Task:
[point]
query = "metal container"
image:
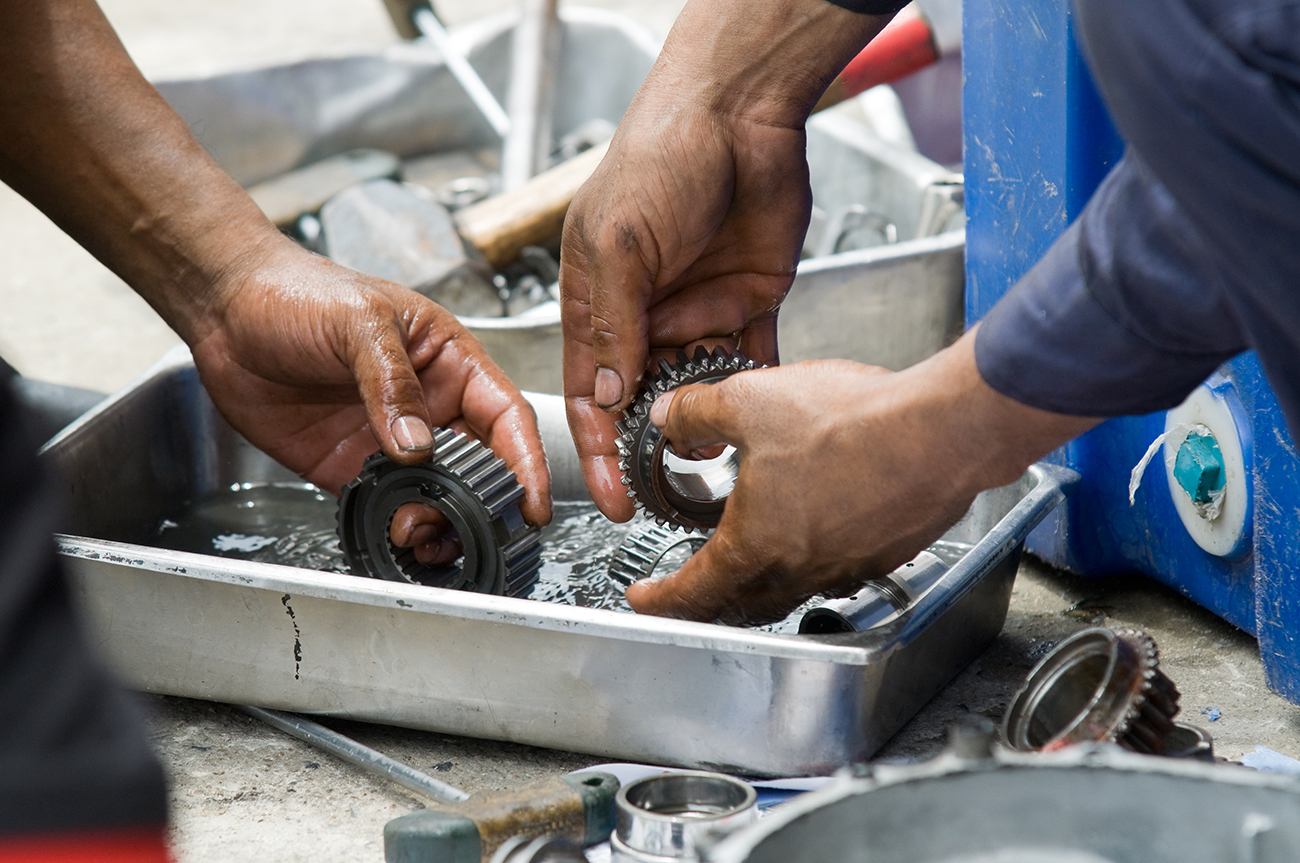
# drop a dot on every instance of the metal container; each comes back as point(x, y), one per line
point(893, 304)
point(602, 682)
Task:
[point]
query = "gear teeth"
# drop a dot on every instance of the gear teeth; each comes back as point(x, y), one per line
point(511, 565)
point(634, 428)
point(639, 554)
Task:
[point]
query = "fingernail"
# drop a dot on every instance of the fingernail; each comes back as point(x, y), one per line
point(412, 434)
point(659, 410)
point(609, 387)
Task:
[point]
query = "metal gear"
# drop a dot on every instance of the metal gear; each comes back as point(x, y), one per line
point(639, 554)
point(1095, 686)
point(476, 492)
point(674, 497)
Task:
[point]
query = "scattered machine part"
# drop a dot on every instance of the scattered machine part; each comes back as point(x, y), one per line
point(674, 816)
point(980, 803)
point(498, 826)
point(544, 849)
point(676, 497)
point(639, 554)
point(391, 230)
point(589, 134)
point(1095, 686)
point(304, 190)
point(462, 191)
point(476, 492)
point(876, 601)
point(1189, 741)
point(356, 754)
point(855, 226)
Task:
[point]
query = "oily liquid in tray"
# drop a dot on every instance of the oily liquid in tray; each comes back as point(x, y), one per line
point(294, 524)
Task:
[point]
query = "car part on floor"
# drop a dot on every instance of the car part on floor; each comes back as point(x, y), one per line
point(1095, 686)
point(673, 816)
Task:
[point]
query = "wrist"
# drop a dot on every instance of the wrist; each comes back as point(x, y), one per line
point(982, 438)
point(776, 71)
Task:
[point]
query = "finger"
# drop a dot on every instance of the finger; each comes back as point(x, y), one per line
point(416, 524)
point(388, 385)
point(700, 416)
point(594, 436)
point(758, 341)
point(719, 307)
point(717, 585)
point(619, 281)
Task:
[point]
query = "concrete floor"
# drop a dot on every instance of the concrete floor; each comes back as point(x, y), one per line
point(242, 791)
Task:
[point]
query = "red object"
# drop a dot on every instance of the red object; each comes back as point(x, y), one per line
point(144, 845)
point(904, 47)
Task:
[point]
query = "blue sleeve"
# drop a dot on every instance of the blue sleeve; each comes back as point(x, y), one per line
point(1190, 251)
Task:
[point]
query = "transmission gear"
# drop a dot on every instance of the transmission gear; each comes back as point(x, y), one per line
point(675, 494)
point(476, 492)
point(639, 554)
point(1096, 686)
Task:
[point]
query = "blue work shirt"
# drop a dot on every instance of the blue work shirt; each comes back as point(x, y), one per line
point(1189, 252)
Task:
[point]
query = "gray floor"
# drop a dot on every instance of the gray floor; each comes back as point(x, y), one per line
point(242, 791)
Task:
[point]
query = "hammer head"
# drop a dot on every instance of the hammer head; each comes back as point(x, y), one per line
point(386, 229)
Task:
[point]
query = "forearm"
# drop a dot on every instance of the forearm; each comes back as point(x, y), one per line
point(92, 144)
point(764, 62)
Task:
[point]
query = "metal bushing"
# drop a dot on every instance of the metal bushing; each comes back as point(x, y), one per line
point(1095, 686)
point(677, 497)
point(674, 816)
point(546, 849)
point(876, 601)
point(639, 554)
point(476, 492)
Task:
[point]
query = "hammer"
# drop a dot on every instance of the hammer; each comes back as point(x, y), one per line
point(467, 828)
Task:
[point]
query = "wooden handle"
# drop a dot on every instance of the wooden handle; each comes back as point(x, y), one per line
point(530, 215)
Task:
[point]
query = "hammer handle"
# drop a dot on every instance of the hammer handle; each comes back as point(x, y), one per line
point(529, 215)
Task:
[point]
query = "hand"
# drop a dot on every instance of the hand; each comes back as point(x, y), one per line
point(846, 472)
point(319, 366)
point(690, 230)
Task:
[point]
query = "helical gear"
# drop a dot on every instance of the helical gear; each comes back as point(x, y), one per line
point(1096, 686)
point(688, 501)
point(639, 554)
point(476, 492)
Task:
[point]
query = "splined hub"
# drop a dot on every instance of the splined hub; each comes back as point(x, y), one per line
point(1096, 686)
point(674, 491)
point(476, 492)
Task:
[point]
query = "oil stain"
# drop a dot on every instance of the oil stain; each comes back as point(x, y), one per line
point(297, 637)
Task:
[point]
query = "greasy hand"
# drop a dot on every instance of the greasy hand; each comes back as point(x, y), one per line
point(689, 231)
point(319, 366)
point(846, 472)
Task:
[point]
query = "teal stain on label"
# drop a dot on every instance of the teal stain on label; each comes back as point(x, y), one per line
point(1199, 467)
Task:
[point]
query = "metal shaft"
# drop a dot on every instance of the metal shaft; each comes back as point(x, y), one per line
point(351, 751)
point(534, 63)
point(478, 92)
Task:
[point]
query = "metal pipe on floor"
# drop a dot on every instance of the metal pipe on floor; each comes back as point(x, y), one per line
point(534, 68)
point(341, 746)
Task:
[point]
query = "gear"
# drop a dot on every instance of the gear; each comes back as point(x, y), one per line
point(1096, 686)
point(476, 492)
point(676, 498)
point(639, 554)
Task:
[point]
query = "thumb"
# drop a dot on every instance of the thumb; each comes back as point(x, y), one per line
point(392, 395)
point(619, 286)
point(699, 415)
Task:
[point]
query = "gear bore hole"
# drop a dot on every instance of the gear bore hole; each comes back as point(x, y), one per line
point(702, 480)
point(439, 542)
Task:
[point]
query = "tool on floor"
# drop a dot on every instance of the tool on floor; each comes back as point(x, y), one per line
point(358, 755)
point(1098, 685)
point(578, 808)
point(475, 492)
point(677, 492)
point(534, 67)
point(467, 828)
point(544, 849)
point(676, 816)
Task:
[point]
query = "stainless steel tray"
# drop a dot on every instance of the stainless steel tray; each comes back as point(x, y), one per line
point(604, 682)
